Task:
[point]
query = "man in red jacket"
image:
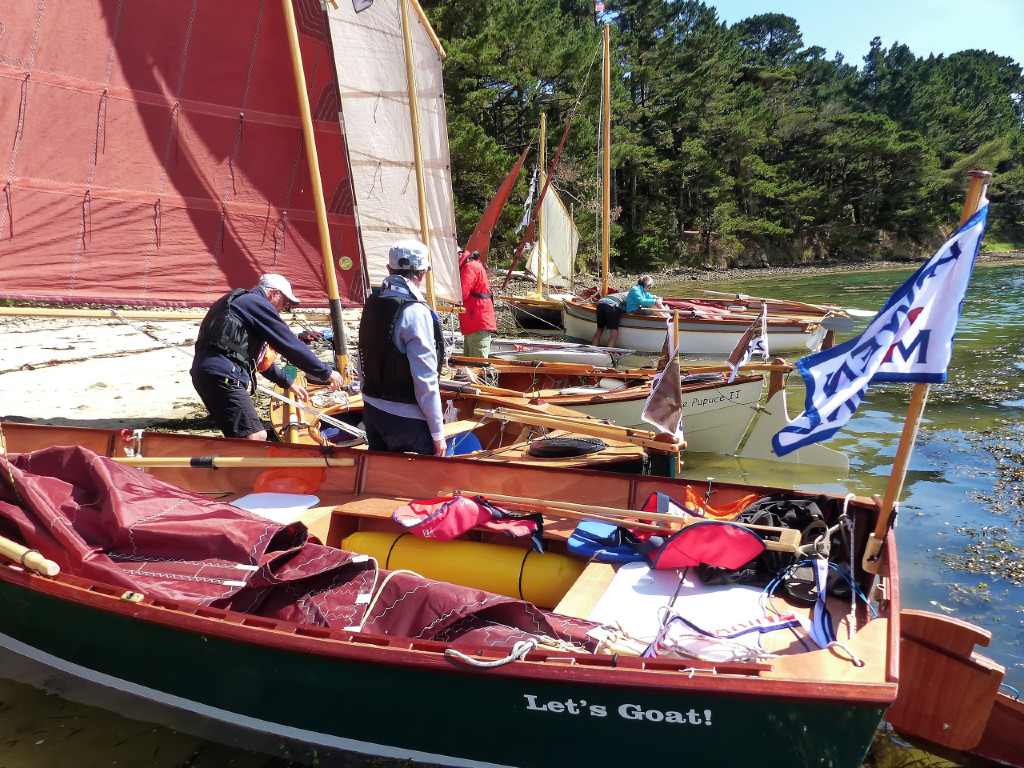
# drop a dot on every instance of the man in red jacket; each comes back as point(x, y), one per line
point(477, 322)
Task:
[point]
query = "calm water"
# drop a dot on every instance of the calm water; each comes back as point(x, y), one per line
point(960, 524)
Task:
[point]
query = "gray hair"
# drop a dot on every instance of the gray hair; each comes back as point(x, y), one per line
point(646, 281)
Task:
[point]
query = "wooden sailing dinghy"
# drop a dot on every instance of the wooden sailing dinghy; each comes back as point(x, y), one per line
point(716, 413)
point(279, 640)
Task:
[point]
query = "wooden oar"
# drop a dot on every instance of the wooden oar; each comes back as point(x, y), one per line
point(29, 558)
point(788, 541)
point(223, 462)
point(645, 439)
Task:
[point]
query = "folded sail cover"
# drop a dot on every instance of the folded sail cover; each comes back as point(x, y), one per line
point(143, 534)
point(153, 153)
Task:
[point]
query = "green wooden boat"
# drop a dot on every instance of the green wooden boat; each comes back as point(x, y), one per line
point(300, 679)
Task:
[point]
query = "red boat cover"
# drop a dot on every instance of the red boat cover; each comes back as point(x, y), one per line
point(153, 152)
point(103, 521)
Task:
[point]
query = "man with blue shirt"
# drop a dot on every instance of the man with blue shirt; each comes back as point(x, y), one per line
point(233, 338)
point(401, 351)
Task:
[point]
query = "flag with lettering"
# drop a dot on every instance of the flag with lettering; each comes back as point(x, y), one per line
point(909, 340)
point(664, 406)
point(754, 341)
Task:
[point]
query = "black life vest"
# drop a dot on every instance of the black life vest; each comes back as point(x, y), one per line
point(386, 371)
point(224, 332)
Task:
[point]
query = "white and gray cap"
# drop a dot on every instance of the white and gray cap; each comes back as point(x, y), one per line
point(409, 254)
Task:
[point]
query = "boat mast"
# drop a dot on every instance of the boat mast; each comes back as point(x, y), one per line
point(340, 342)
point(539, 239)
point(606, 201)
point(414, 115)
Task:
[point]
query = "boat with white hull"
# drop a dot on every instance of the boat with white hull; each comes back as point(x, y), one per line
point(698, 336)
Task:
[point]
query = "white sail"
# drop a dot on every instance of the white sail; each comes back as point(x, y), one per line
point(370, 61)
point(559, 242)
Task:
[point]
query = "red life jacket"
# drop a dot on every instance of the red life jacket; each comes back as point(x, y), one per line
point(447, 517)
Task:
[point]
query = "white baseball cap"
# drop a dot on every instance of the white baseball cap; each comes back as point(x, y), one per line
point(409, 254)
point(273, 282)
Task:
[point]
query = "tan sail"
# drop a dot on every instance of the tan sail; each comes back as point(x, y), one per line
point(370, 59)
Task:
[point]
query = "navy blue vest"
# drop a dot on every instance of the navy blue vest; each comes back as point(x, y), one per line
point(386, 371)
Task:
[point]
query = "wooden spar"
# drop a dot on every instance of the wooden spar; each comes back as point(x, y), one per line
point(223, 462)
point(606, 129)
point(663, 443)
point(675, 355)
point(539, 237)
point(583, 369)
point(789, 538)
point(138, 314)
point(28, 558)
point(918, 400)
point(414, 117)
point(330, 278)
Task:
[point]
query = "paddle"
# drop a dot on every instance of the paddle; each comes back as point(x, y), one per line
point(788, 541)
point(28, 558)
point(223, 462)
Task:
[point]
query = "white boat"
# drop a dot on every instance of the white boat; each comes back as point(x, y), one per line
point(714, 335)
point(716, 415)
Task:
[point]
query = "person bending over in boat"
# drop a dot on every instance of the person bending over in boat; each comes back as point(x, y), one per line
point(233, 336)
point(640, 299)
point(609, 310)
point(478, 322)
point(401, 351)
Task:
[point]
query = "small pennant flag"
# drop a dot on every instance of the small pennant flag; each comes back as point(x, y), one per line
point(361, 5)
point(754, 341)
point(910, 340)
point(599, 7)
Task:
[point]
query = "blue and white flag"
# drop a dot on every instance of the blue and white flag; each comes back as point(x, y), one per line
point(910, 339)
point(528, 205)
point(754, 341)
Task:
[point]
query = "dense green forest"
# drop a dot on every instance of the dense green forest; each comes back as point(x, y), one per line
point(727, 141)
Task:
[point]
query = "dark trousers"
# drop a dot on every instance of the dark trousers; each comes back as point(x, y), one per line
point(398, 434)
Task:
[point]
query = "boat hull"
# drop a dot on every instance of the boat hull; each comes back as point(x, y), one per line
point(376, 700)
point(697, 337)
point(715, 418)
point(338, 689)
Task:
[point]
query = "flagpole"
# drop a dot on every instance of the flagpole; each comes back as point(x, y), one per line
point(918, 400)
point(675, 347)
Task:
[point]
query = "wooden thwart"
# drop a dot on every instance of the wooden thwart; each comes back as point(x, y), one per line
point(788, 538)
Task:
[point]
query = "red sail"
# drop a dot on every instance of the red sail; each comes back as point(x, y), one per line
point(480, 240)
point(153, 152)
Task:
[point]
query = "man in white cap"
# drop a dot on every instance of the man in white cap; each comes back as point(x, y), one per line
point(401, 351)
point(233, 337)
